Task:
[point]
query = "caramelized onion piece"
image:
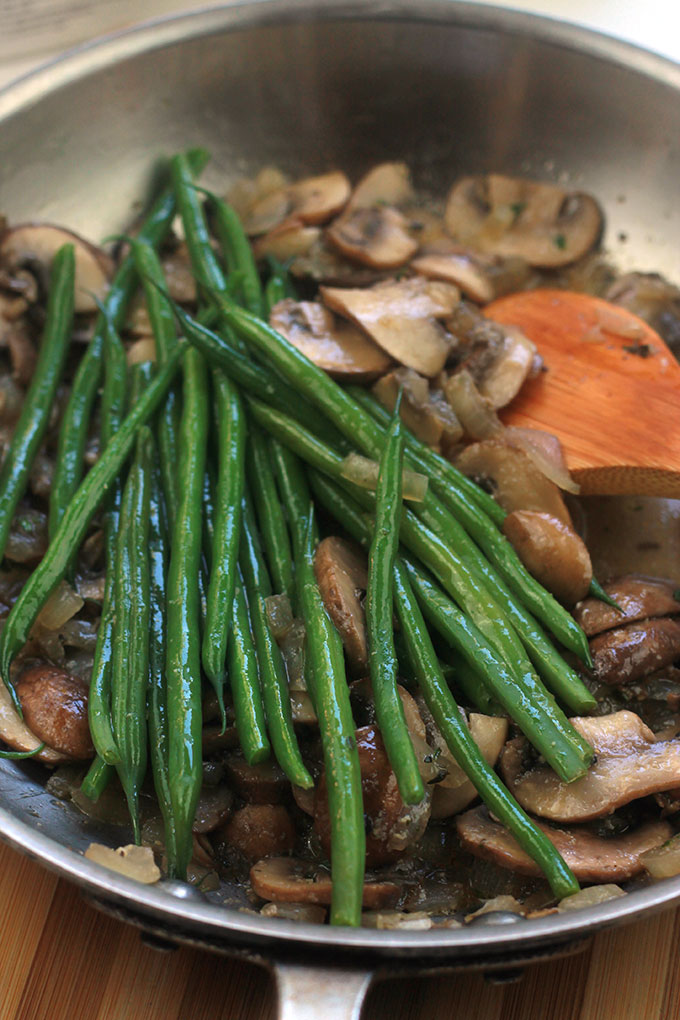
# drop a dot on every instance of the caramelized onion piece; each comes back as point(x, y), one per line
point(489, 734)
point(639, 598)
point(426, 413)
point(629, 764)
point(591, 858)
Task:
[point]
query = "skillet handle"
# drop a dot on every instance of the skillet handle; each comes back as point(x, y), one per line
point(309, 993)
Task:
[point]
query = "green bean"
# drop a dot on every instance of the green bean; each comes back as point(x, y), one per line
point(330, 695)
point(231, 432)
point(96, 779)
point(273, 527)
point(245, 682)
point(183, 669)
point(30, 428)
point(238, 253)
point(382, 659)
point(468, 681)
point(596, 591)
point(130, 666)
point(279, 285)
point(78, 411)
point(157, 699)
point(206, 268)
point(162, 319)
point(91, 492)
point(273, 678)
point(446, 714)
point(112, 413)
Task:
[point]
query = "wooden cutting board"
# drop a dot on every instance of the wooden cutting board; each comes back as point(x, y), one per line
point(62, 960)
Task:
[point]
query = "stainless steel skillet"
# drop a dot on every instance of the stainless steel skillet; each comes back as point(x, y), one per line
point(447, 87)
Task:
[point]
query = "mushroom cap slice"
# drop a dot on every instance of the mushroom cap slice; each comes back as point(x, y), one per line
point(290, 880)
point(551, 551)
point(630, 653)
point(539, 222)
point(591, 858)
point(459, 267)
point(427, 414)
point(384, 184)
point(39, 242)
point(377, 236)
point(316, 199)
point(288, 240)
point(54, 704)
point(639, 598)
point(335, 345)
point(401, 317)
point(341, 573)
point(16, 734)
point(489, 734)
point(629, 764)
point(504, 377)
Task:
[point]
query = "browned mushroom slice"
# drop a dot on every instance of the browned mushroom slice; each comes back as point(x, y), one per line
point(288, 880)
point(213, 808)
point(391, 826)
point(629, 764)
point(539, 222)
point(333, 344)
point(264, 783)
point(489, 734)
point(401, 317)
point(629, 653)
point(459, 266)
point(309, 201)
point(16, 734)
point(54, 704)
point(375, 237)
point(511, 476)
point(506, 374)
point(475, 413)
point(552, 552)
point(340, 571)
point(321, 264)
point(639, 598)
point(591, 858)
point(259, 830)
point(288, 240)
point(426, 413)
point(30, 243)
point(385, 184)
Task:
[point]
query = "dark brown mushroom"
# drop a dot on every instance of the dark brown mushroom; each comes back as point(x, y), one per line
point(16, 734)
point(259, 830)
point(335, 345)
point(590, 857)
point(288, 880)
point(54, 704)
point(28, 244)
point(264, 783)
point(480, 276)
point(551, 551)
point(630, 653)
point(425, 412)
point(341, 574)
point(392, 826)
point(541, 223)
point(639, 598)
point(213, 808)
point(629, 763)
point(401, 317)
point(511, 476)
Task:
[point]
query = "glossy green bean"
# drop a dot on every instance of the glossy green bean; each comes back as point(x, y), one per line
point(272, 524)
point(273, 677)
point(130, 665)
point(244, 678)
point(90, 494)
point(96, 779)
point(446, 714)
point(382, 658)
point(231, 444)
point(237, 252)
point(330, 695)
point(35, 412)
point(183, 660)
point(112, 412)
point(206, 268)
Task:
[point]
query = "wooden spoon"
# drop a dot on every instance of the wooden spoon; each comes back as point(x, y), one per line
point(612, 399)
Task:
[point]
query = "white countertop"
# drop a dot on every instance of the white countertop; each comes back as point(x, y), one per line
point(653, 24)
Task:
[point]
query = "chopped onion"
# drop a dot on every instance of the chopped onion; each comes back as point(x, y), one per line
point(132, 861)
point(590, 897)
point(547, 454)
point(474, 411)
point(387, 920)
point(79, 634)
point(364, 472)
point(62, 604)
point(312, 913)
point(663, 861)
point(502, 902)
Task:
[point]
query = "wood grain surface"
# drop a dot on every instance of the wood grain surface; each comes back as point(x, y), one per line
point(62, 960)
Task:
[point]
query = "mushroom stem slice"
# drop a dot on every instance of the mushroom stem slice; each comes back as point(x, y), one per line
point(629, 764)
point(591, 858)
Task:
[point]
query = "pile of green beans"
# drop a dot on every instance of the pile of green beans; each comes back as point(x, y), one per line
point(205, 484)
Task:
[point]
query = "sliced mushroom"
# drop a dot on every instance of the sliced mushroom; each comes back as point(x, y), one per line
point(591, 858)
point(259, 830)
point(392, 826)
point(213, 808)
point(401, 317)
point(480, 276)
point(288, 240)
point(310, 201)
point(475, 413)
point(508, 371)
point(37, 243)
point(512, 478)
point(629, 764)
point(335, 345)
point(639, 598)
point(384, 184)
point(372, 230)
point(425, 412)
point(489, 734)
point(551, 551)
point(22, 351)
point(629, 653)
point(288, 880)
point(341, 574)
point(16, 734)
point(54, 704)
point(321, 264)
point(539, 222)
point(264, 783)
